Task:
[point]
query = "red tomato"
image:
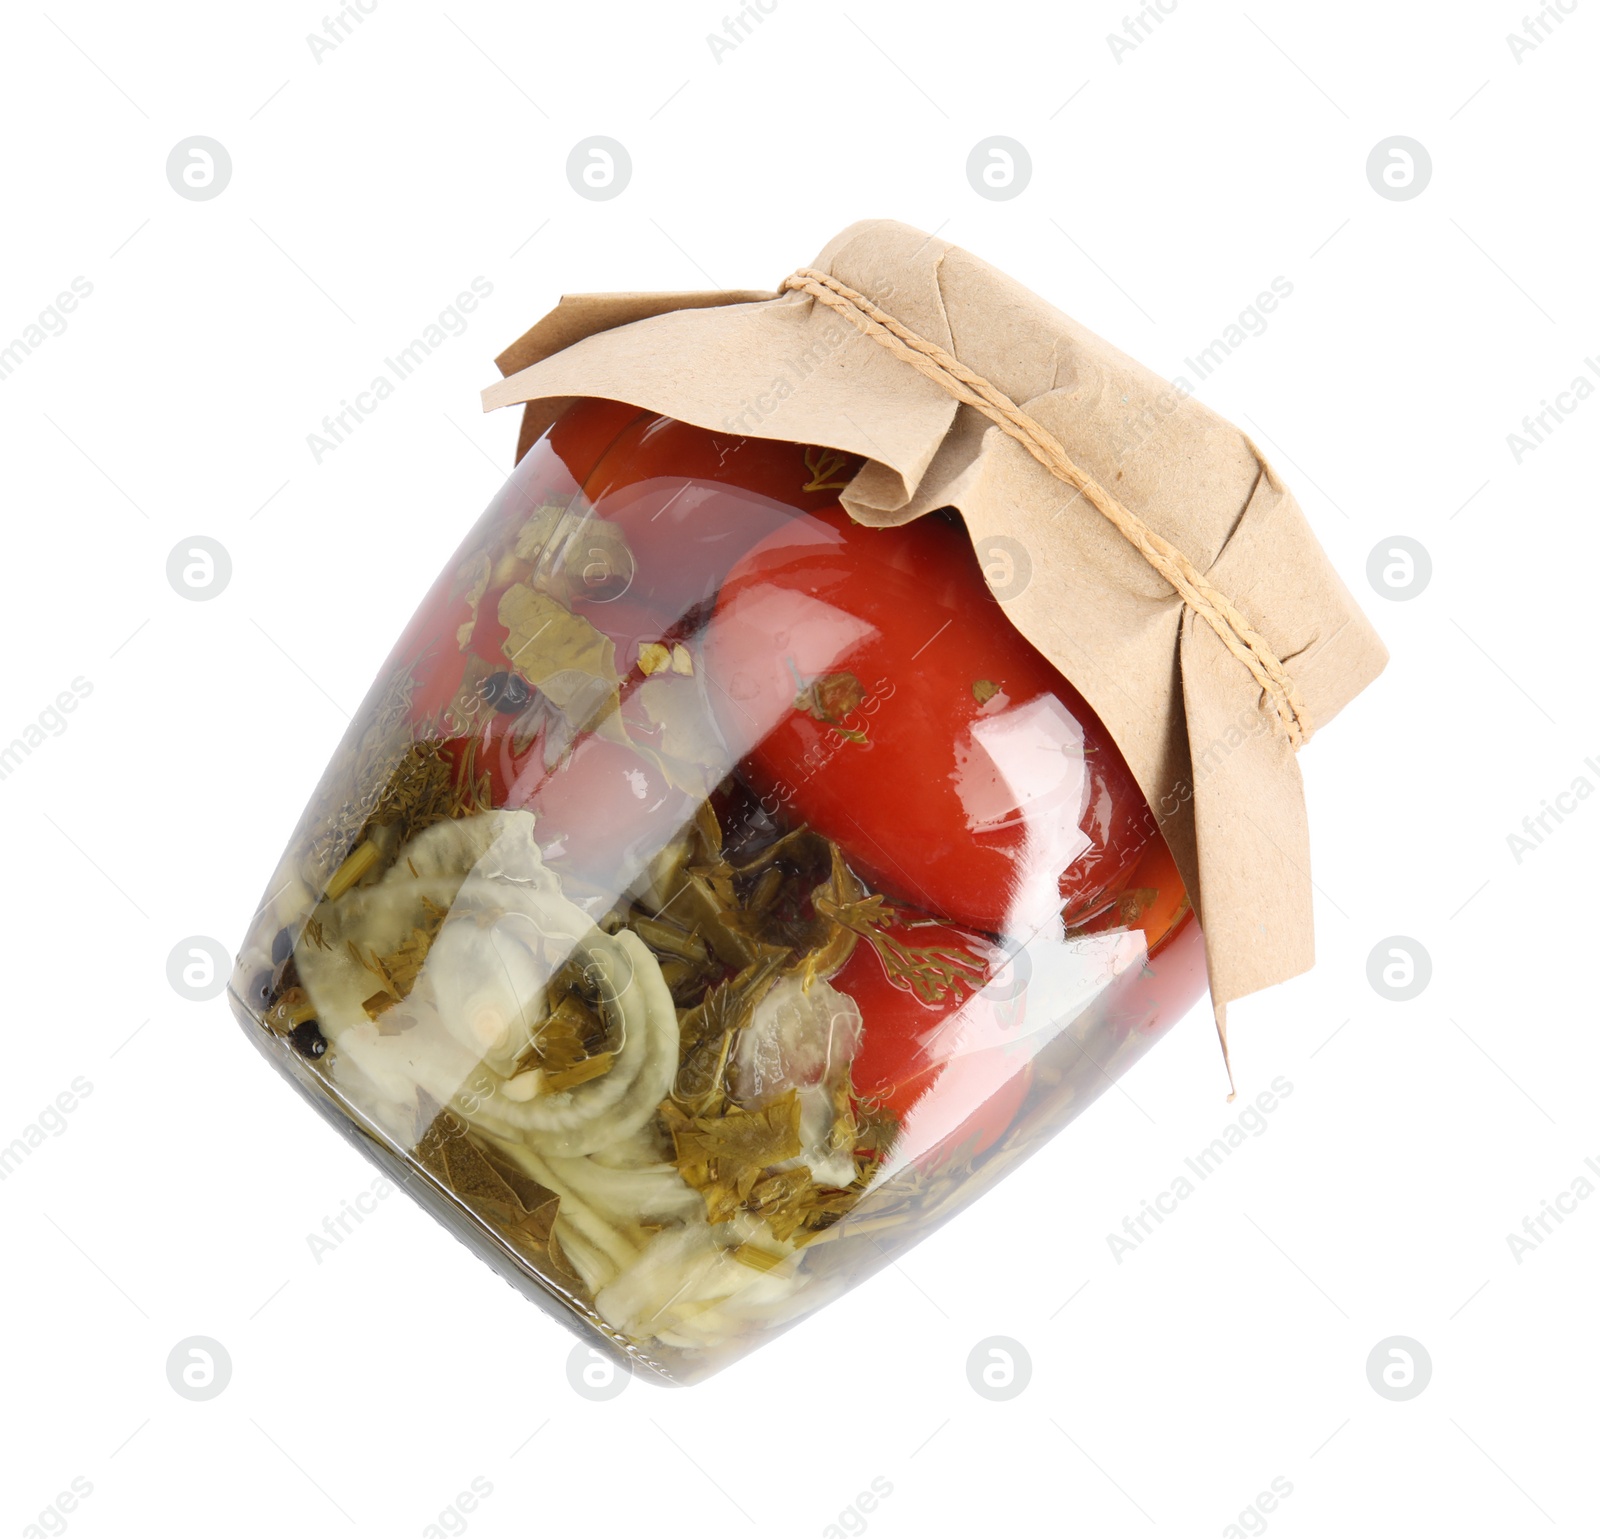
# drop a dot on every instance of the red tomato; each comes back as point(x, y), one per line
point(690, 503)
point(485, 750)
point(1152, 899)
point(1156, 996)
point(948, 1072)
point(580, 436)
point(882, 696)
point(602, 813)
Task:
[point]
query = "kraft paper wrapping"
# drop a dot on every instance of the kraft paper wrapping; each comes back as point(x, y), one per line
point(1189, 718)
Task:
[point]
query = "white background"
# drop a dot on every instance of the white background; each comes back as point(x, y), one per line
point(1170, 185)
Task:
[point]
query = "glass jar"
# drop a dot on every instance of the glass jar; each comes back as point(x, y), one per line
point(712, 895)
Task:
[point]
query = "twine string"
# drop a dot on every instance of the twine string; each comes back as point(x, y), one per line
point(972, 389)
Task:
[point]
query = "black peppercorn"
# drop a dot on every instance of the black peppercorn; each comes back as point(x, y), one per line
point(282, 945)
point(260, 991)
point(308, 1040)
point(508, 693)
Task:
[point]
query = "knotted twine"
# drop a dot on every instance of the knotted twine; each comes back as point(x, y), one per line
point(950, 374)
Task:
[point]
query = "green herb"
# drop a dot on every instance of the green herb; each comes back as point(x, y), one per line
point(830, 698)
point(824, 465)
point(706, 1032)
point(398, 970)
point(723, 1157)
point(573, 664)
point(522, 1210)
point(932, 973)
